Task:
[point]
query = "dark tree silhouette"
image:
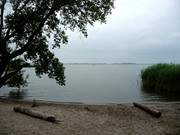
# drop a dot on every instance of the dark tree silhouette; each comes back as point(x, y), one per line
point(26, 26)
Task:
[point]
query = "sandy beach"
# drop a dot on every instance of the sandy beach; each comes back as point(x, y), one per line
point(82, 119)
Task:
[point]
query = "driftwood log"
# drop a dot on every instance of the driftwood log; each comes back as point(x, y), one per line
point(36, 114)
point(151, 111)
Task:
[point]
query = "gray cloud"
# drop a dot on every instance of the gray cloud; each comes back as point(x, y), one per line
point(142, 31)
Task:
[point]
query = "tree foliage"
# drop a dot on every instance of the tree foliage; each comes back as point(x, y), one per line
point(26, 26)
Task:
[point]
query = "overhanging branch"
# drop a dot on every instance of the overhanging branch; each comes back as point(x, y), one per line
point(16, 10)
point(7, 76)
point(28, 44)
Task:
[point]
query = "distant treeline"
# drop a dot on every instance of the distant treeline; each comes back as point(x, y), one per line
point(31, 65)
point(161, 78)
point(100, 63)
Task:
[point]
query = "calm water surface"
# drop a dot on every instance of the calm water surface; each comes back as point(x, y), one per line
point(90, 84)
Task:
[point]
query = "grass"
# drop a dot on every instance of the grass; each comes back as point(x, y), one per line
point(161, 78)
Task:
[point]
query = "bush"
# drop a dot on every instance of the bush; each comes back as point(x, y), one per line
point(161, 77)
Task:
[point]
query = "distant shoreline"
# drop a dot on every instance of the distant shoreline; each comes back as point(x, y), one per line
point(107, 63)
point(102, 64)
point(123, 63)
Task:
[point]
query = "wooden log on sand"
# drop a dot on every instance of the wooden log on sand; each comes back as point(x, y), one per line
point(151, 111)
point(35, 114)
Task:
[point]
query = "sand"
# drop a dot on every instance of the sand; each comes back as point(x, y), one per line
point(81, 119)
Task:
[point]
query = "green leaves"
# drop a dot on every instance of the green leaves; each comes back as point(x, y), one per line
point(18, 80)
point(32, 23)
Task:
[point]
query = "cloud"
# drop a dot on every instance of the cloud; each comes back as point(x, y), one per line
point(174, 35)
point(137, 31)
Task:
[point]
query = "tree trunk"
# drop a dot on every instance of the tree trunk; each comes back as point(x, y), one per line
point(4, 58)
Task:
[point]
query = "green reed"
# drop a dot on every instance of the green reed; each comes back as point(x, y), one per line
point(161, 77)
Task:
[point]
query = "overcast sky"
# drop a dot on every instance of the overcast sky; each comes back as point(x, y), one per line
point(140, 31)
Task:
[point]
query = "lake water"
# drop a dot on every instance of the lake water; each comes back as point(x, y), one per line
point(90, 84)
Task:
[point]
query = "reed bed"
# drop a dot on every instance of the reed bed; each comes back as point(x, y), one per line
point(161, 78)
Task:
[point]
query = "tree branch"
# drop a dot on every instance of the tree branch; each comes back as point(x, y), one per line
point(9, 75)
point(55, 4)
point(28, 44)
point(16, 10)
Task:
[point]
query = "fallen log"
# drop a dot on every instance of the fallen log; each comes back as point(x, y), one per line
point(151, 111)
point(36, 114)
